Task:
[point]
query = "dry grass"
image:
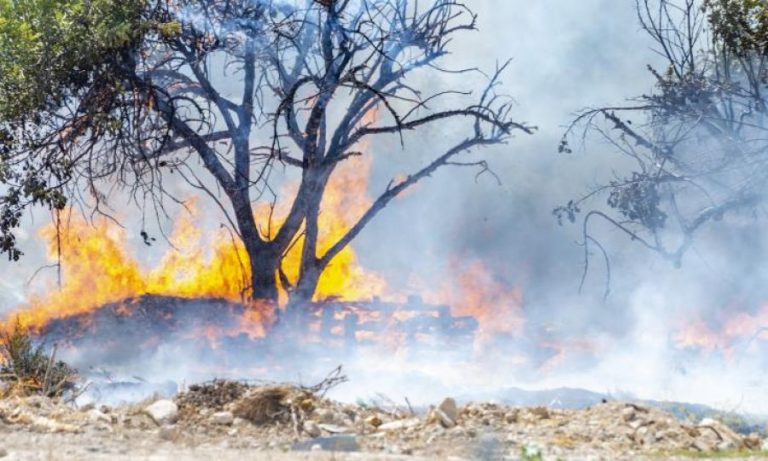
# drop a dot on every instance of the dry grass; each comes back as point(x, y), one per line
point(267, 404)
point(29, 369)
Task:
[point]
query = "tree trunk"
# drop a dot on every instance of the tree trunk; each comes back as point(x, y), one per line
point(307, 284)
point(262, 257)
point(310, 270)
point(263, 277)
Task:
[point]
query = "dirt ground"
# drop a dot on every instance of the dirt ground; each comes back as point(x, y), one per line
point(225, 421)
point(25, 446)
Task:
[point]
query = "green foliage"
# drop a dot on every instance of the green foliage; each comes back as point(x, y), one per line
point(741, 26)
point(531, 453)
point(47, 47)
point(30, 369)
point(52, 53)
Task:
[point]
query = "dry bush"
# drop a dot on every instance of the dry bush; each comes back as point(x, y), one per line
point(29, 369)
point(284, 402)
point(265, 404)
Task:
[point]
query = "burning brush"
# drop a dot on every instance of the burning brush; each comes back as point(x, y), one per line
point(28, 369)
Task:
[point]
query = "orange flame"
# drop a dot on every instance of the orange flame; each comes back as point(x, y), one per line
point(740, 327)
point(344, 202)
point(97, 268)
point(477, 293)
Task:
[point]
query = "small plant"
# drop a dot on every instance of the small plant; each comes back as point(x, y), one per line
point(30, 369)
point(531, 453)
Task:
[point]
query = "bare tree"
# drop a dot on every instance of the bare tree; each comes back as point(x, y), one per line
point(241, 86)
point(694, 150)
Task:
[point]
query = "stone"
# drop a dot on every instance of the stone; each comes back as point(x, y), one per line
point(322, 415)
point(400, 424)
point(722, 432)
point(341, 443)
point(637, 424)
point(88, 407)
point(96, 416)
point(312, 429)
point(442, 418)
point(334, 428)
point(163, 412)
point(703, 445)
point(168, 432)
point(448, 408)
point(222, 418)
point(628, 414)
point(3, 452)
point(752, 441)
point(726, 445)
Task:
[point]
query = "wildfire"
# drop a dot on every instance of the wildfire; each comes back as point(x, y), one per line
point(739, 329)
point(97, 268)
point(476, 292)
point(344, 202)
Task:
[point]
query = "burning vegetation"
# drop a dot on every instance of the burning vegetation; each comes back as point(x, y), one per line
point(262, 137)
point(28, 369)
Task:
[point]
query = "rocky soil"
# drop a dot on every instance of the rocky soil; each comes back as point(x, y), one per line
point(226, 420)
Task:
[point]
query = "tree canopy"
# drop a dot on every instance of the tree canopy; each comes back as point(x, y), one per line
point(219, 93)
point(49, 49)
point(695, 148)
point(53, 53)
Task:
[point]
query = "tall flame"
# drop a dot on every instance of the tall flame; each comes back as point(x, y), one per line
point(97, 268)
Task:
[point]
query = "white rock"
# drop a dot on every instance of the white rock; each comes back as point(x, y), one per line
point(223, 418)
point(96, 416)
point(723, 433)
point(400, 424)
point(333, 428)
point(444, 419)
point(163, 412)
